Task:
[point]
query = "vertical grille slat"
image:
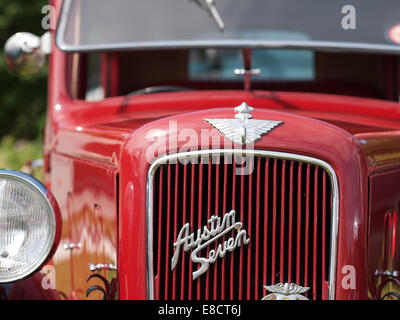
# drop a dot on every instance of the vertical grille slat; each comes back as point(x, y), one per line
point(307, 228)
point(217, 192)
point(299, 206)
point(208, 217)
point(257, 244)
point(315, 230)
point(265, 217)
point(324, 262)
point(233, 208)
point(158, 255)
point(290, 260)
point(250, 272)
point(176, 192)
point(284, 205)
point(274, 239)
point(190, 284)
point(282, 231)
point(185, 185)
point(199, 216)
point(224, 210)
point(242, 206)
point(167, 257)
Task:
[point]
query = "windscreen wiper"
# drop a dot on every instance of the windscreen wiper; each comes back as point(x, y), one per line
point(209, 6)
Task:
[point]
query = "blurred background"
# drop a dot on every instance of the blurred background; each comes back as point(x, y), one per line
point(22, 101)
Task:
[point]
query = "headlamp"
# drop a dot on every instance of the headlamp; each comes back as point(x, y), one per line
point(30, 225)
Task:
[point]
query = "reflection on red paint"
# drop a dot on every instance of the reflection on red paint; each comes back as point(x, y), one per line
point(394, 34)
point(389, 240)
point(394, 235)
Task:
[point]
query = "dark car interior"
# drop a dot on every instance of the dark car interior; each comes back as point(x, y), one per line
point(96, 76)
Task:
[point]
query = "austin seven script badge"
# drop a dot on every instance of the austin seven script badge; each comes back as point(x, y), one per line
point(285, 291)
point(205, 238)
point(243, 130)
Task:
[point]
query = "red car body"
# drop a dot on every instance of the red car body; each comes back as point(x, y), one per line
point(96, 167)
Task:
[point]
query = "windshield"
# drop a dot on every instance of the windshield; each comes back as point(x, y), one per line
point(365, 25)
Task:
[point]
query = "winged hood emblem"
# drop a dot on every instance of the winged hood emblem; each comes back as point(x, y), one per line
point(285, 291)
point(243, 129)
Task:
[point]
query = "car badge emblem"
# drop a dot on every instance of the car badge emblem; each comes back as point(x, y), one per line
point(205, 238)
point(243, 130)
point(285, 291)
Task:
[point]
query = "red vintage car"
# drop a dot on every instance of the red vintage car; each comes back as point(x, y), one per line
point(211, 149)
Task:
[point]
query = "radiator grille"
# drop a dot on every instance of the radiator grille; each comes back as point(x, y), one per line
point(285, 207)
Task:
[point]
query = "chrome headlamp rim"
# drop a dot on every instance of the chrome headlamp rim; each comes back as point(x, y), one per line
point(52, 211)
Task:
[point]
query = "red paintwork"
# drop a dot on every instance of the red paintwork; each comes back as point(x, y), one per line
point(59, 226)
point(385, 205)
point(301, 135)
point(31, 289)
point(87, 145)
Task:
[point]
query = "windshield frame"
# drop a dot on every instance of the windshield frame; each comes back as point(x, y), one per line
point(328, 46)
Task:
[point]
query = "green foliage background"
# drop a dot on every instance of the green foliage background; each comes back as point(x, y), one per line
point(22, 101)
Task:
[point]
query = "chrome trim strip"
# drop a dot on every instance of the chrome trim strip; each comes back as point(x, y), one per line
point(254, 153)
point(325, 46)
point(62, 21)
point(26, 179)
point(330, 46)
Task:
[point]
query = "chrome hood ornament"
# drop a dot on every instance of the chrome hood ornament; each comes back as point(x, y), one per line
point(243, 130)
point(285, 291)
